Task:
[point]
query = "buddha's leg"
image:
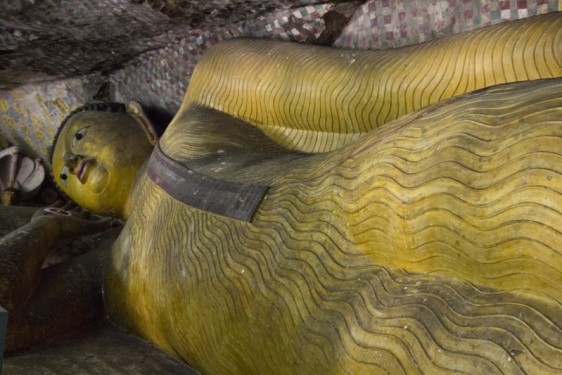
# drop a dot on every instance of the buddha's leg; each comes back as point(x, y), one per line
point(317, 99)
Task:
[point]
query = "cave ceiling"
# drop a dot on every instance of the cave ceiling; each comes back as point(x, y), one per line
point(50, 39)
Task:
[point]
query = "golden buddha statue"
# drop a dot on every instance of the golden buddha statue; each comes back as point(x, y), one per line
point(430, 244)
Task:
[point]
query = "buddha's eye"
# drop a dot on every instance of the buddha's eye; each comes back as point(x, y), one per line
point(78, 136)
point(64, 175)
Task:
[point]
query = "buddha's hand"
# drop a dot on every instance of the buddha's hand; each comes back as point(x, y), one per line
point(72, 222)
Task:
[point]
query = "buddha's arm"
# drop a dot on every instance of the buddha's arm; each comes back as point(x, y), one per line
point(23, 252)
point(316, 99)
point(43, 302)
point(67, 296)
point(13, 217)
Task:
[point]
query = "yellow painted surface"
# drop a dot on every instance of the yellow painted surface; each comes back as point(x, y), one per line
point(317, 99)
point(431, 245)
point(96, 160)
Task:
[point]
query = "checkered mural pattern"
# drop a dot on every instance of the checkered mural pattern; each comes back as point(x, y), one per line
point(395, 23)
point(31, 114)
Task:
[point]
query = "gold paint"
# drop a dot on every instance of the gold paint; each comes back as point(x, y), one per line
point(61, 105)
point(317, 99)
point(98, 169)
point(421, 246)
point(3, 104)
point(37, 131)
point(37, 123)
point(9, 121)
point(20, 109)
point(429, 245)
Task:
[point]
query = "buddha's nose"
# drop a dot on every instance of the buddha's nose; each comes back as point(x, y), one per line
point(72, 161)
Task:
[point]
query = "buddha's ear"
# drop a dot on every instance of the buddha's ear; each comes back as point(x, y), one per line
point(135, 109)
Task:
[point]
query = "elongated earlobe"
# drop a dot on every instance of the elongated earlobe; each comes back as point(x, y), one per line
point(135, 110)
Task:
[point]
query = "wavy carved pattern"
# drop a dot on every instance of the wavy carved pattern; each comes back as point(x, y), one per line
point(316, 99)
point(431, 245)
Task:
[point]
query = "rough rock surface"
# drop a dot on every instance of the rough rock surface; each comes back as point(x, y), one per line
point(51, 39)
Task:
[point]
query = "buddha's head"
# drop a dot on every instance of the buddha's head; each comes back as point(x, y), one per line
point(97, 154)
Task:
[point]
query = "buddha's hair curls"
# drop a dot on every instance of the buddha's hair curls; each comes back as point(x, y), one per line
point(93, 106)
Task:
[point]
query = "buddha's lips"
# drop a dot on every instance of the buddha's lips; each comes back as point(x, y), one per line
point(82, 168)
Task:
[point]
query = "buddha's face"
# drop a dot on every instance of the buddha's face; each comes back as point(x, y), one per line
point(96, 159)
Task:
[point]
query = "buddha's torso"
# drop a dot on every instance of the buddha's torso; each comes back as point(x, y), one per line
point(408, 249)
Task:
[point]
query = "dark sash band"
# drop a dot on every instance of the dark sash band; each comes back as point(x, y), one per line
point(220, 197)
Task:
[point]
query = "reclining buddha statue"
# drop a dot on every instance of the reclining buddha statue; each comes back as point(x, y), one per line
point(316, 210)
